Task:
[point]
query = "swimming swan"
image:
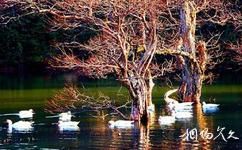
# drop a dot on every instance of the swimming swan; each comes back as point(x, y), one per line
point(26, 113)
point(168, 99)
point(121, 123)
point(68, 126)
point(175, 105)
point(66, 116)
point(22, 114)
point(182, 115)
point(207, 106)
point(166, 120)
point(184, 106)
point(20, 126)
point(210, 108)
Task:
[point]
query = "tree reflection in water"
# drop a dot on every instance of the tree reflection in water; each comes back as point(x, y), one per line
point(95, 133)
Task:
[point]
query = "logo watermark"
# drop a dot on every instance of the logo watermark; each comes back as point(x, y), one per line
point(193, 134)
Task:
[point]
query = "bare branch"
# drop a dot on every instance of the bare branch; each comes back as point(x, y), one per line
point(70, 98)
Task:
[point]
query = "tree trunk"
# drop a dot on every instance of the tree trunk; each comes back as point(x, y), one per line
point(190, 89)
point(141, 94)
point(193, 70)
point(150, 85)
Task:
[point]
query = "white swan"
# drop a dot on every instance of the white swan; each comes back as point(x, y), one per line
point(26, 113)
point(68, 126)
point(20, 126)
point(66, 116)
point(121, 124)
point(210, 108)
point(185, 106)
point(182, 115)
point(175, 105)
point(22, 114)
point(166, 120)
point(168, 99)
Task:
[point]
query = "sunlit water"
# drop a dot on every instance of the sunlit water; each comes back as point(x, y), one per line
point(94, 133)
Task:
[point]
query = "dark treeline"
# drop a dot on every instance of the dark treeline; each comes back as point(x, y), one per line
point(25, 42)
point(26, 45)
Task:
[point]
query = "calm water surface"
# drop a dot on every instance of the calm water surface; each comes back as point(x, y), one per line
point(21, 93)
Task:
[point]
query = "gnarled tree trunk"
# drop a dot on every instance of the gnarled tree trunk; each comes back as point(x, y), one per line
point(193, 69)
point(141, 94)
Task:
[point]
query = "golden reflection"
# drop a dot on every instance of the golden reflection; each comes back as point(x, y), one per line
point(140, 136)
point(201, 123)
point(167, 132)
point(144, 139)
point(152, 119)
point(170, 134)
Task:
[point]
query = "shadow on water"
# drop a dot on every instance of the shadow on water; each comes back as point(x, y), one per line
point(95, 133)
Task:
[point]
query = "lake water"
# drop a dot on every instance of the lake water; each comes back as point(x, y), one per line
point(21, 93)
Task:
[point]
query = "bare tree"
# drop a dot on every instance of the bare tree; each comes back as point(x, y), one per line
point(126, 43)
point(193, 16)
point(129, 34)
point(236, 48)
point(125, 46)
point(194, 57)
